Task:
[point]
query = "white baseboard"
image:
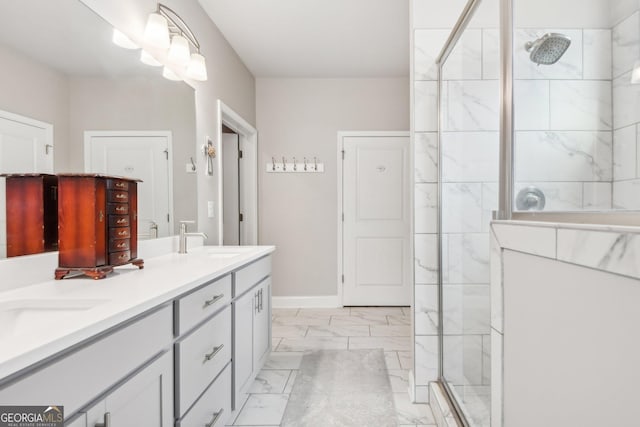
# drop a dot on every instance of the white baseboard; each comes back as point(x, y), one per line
point(325, 301)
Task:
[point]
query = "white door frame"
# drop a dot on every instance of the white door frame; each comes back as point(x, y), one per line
point(89, 134)
point(341, 136)
point(248, 143)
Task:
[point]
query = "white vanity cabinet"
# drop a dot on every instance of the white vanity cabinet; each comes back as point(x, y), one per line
point(144, 400)
point(129, 372)
point(252, 324)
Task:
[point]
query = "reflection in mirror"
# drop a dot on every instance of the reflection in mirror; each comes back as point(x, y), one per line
point(64, 84)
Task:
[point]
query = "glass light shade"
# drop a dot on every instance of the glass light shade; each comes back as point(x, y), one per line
point(121, 40)
point(179, 51)
point(169, 74)
point(197, 69)
point(635, 74)
point(156, 33)
point(146, 58)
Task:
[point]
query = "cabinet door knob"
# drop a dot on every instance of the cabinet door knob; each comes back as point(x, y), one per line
point(216, 415)
point(106, 421)
point(211, 355)
point(213, 300)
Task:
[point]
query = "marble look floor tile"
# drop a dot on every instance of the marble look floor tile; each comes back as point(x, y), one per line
point(270, 381)
point(274, 342)
point(339, 331)
point(310, 312)
point(262, 409)
point(292, 379)
point(391, 359)
point(302, 320)
point(399, 380)
point(284, 312)
point(390, 330)
point(377, 311)
point(360, 319)
point(288, 331)
point(406, 359)
point(313, 343)
point(399, 320)
point(385, 343)
point(412, 413)
point(284, 360)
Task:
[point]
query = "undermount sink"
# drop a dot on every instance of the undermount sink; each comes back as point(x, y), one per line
point(21, 316)
point(226, 251)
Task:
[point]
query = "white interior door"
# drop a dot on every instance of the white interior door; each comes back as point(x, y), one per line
point(26, 146)
point(376, 228)
point(230, 190)
point(142, 156)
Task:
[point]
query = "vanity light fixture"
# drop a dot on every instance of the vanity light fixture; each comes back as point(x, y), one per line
point(123, 41)
point(635, 74)
point(166, 30)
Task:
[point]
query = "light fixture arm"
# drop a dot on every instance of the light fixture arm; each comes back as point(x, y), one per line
point(177, 25)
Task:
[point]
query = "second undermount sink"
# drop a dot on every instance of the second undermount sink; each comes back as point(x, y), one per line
point(227, 251)
point(22, 316)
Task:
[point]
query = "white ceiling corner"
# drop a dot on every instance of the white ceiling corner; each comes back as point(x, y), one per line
point(316, 38)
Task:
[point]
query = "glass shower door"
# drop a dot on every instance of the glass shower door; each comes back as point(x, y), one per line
point(469, 153)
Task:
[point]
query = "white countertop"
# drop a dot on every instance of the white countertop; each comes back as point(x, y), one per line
point(124, 294)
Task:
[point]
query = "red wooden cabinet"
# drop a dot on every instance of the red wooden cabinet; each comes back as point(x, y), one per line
point(97, 224)
point(32, 213)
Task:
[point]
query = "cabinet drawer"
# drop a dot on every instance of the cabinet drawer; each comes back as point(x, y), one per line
point(195, 307)
point(117, 209)
point(119, 245)
point(214, 405)
point(251, 274)
point(117, 184)
point(116, 196)
point(75, 379)
point(118, 220)
point(119, 258)
point(200, 358)
point(119, 233)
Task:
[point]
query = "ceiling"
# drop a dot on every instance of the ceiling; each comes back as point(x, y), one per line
point(316, 38)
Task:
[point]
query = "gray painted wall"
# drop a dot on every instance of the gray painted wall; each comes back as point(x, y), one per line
point(298, 212)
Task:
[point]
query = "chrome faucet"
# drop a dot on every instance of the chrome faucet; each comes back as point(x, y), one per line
point(182, 248)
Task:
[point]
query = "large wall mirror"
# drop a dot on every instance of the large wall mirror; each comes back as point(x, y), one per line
point(92, 107)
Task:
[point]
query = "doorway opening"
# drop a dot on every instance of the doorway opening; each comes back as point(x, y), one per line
point(238, 177)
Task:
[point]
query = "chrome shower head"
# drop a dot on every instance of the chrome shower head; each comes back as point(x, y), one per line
point(548, 49)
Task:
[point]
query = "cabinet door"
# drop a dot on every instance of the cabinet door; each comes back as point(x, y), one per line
point(262, 323)
point(145, 400)
point(243, 337)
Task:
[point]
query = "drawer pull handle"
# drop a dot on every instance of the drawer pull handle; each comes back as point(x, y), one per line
point(121, 245)
point(121, 196)
point(121, 221)
point(213, 300)
point(120, 185)
point(211, 355)
point(106, 421)
point(216, 415)
point(122, 233)
point(121, 209)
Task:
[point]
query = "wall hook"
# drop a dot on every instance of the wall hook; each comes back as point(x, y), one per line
point(305, 163)
point(273, 163)
point(295, 166)
point(193, 164)
point(284, 164)
point(315, 163)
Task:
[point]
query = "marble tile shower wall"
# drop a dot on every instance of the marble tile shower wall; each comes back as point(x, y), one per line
point(564, 121)
point(564, 145)
point(626, 117)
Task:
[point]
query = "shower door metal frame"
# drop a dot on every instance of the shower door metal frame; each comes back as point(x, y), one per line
point(459, 28)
